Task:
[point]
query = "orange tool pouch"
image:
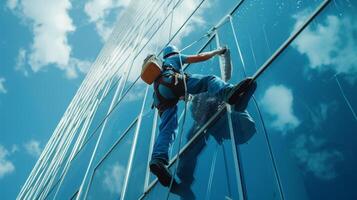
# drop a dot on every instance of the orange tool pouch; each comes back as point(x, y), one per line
point(151, 69)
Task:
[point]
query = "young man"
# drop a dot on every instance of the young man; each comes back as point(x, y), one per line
point(169, 88)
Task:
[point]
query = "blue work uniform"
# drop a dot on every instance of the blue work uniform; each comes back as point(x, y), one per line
point(196, 84)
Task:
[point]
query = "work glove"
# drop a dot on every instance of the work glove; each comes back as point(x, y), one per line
point(221, 50)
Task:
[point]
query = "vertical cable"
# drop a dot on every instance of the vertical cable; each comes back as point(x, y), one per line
point(345, 98)
point(237, 45)
point(237, 165)
point(182, 125)
point(227, 172)
point(211, 174)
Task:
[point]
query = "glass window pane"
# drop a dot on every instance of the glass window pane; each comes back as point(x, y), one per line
point(136, 181)
point(109, 175)
point(52, 191)
point(262, 26)
point(121, 116)
point(250, 137)
point(308, 109)
point(74, 177)
point(103, 107)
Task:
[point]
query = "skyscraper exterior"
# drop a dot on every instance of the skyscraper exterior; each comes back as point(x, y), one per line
point(296, 140)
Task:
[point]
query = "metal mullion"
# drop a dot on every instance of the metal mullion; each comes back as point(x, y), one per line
point(236, 157)
point(151, 146)
point(111, 108)
point(106, 155)
point(134, 145)
point(211, 174)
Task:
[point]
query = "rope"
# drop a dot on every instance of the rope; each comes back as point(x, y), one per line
point(226, 169)
point(183, 121)
point(345, 98)
point(184, 113)
point(236, 159)
point(211, 174)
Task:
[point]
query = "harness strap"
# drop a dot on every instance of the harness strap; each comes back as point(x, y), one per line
point(175, 85)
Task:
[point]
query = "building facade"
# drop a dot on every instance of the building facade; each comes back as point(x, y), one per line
point(296, 139)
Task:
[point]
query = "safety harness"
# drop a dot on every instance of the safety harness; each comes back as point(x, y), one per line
point(173, 80)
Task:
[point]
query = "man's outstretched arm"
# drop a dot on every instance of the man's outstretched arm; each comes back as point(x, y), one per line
point(204, 56)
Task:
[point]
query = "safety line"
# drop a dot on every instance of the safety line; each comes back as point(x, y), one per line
point(237, 165)
point(211, 174)
point(237, 45)
point(345, 98)
point(227, 172)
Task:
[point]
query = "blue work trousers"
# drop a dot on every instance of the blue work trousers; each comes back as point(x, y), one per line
point(169, 122)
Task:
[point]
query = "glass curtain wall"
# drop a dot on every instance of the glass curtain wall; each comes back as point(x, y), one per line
point(295, 140)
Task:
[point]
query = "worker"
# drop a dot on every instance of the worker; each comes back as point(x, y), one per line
point(173, 85)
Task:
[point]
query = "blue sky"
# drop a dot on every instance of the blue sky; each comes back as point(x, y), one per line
point(46, 49)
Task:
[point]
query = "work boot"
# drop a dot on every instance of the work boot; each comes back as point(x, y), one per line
point(183, 190)
point(236, 94)
point(242, 104)
point(163, 174)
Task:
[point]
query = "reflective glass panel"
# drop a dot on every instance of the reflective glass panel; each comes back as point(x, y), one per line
point(309, 109)
point(262, 26)
point(123, 113)
point(109, 175)
point(139, 166)
point(75, 174)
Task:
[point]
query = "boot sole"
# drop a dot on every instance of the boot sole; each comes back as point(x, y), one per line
point(239, 92)
point(233, 99)
point(162, 174)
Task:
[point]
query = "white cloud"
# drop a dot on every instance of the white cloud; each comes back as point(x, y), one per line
point(277, 101)
point(75, 65)
point(315, 159)
point(181, 14)
point(50, 24)
point(330, 45)
point(14, 148)
point(33, 148)
point(320, 113)
point(2, 86)
point(98, 12)
point(11, 4)
point(6, 166)
point(21, 61)
point(113, 178)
